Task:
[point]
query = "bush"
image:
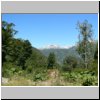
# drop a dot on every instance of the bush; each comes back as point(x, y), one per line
point(30, 69)
point(70, 76)
point(88, 82)
point(66, 68)
point(40, 77)
point(94, 68)
point(69, 63)
point(85, 78)
point(9, 69)
point(37, 77)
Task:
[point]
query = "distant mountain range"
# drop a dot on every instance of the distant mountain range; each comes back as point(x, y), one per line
point(60, 53)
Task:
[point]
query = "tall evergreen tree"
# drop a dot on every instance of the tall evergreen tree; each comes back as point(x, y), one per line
point(51, 60)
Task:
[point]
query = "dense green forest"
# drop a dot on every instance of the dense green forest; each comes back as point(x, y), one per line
point(25, 65)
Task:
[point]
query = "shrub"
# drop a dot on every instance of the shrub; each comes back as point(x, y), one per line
point(69, 63)
point(8, 69)
point(30, 69)
point(66, 68)
point(39, 75)
point(88, 82)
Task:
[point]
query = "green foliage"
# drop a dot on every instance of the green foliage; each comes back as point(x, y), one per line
point(96, 52)
point(51, 60)
point(69, 63)
point(29, 69)
point(85, 44)
point(79, 77)
point(89, 81)
point(16, 51)
point(40, 75)
point(20, 52)
point(94, 67)
point(61, 53)
point(9, 69)
point(7, 34)
point(36, 61)
point(25, 54)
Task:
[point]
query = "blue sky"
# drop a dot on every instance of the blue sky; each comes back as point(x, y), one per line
point(47, 29)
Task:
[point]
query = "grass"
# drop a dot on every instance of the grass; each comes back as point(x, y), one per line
point(54, 78)
point(19, 81)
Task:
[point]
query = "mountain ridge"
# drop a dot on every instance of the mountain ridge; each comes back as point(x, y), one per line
point(60, 53)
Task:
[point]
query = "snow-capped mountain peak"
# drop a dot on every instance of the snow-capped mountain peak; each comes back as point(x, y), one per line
point(53, 46)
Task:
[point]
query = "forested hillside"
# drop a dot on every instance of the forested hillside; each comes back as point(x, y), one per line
point(60, 53)
point(23, 64)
